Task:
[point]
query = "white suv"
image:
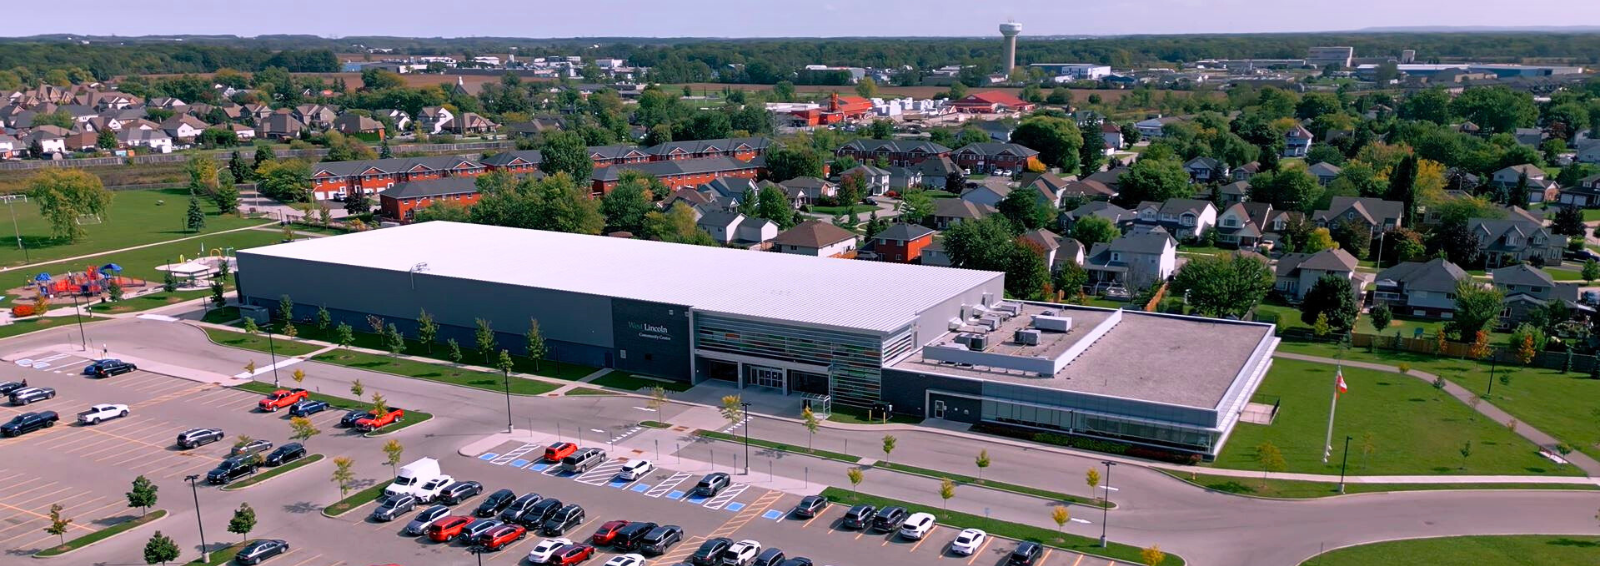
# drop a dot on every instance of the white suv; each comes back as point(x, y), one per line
point(636, 470)
point(917, 526)
point(429, 490)
point(741, 553)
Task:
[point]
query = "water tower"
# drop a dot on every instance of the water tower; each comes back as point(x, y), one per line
point(1010, 31)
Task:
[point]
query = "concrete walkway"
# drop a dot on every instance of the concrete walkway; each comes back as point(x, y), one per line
point(1577, 458)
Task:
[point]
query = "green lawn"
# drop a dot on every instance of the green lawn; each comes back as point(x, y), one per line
point(991, 484)
point(279, 345)
point(942, 194)
point(837, 210)
point(1292, 489)
point(412, 416)
point(1591, 214)
point(102, 534)
point(35, 324)
point(223, 315)
point(1565, 274)
point(520, 364)
point(630, 382)
point(1415, 428)
point(1406, 326)
point(1287, 316)
point(1486, 550)
point(433, 372)
point(355, 500)
point(272, 473)
point(220, 557)
point(134, 219)
point(1558, 404)
point(150, 301)
point(142, 263)
point(777, 446)
point(581, 391)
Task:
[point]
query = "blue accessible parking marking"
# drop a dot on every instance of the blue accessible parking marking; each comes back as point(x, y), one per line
point(488, 456)
point(518, 463)
point(618, 483)
point(734, 506)
point(675, 495)
point(639, 487)
point(539, 467)
point(696, 500)
point(770, 515)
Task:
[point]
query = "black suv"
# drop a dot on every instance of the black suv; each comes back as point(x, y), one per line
point(710, 552)
point(460, 491)
point(109, 368)
point(495, 503)
point(1025, 555)
point(29, 422)
point(231, 469)
point(197, 437)
point(859, 517)
point(518, 506)
point(661, 538)
point(629, 538)
point(31, 395)
point(286, 453)
point(563, 519)
point(349, 419)
point(711, 485)
point(889, 519)
point(539, 513)
point(11, 386)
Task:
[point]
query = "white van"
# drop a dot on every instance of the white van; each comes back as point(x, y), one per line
point(412, 476)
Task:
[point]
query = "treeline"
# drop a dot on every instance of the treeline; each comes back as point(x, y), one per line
point(33, 62)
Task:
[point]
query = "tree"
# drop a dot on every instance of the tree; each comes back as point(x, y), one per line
point(358, 389)
point(454, 349)
point(1154, 180)
point(427, 329)
point(784, 163)
point(64, 196)
point(58, 522)
point(1093, 230)
point(1568, 221)
point(243, 521)
point(979, 244)
point(284, 181)
point(1466, 452)
point(1091, 152)
point(1056, 139)
point(114, 289)
point(107, 139)
point(250, 326)
point(627, 203)
point(658, 399)
point(1591, 271)
point(1495, 109)
point(677, 225)
point(867, 88)
point(484, 335)
point(1476, 307)
point(1381, 316)
point(343, 475)
point(888, 445)
point(947, 490)
point(1152, 556)
point(1290, 188)
point(357, 203)
point(1332, 296)
point(299, 376)
point(345, 335)
point(565, 152)
point(1526, 341)
point(810, 420)
point(1351, 237)
point(1025, 209)
point(916, 206)
point(855, 478)
point(1092, 477)
point(733, 409)
point(1270, 459)
point(143, 494)
point(1026, 273)
point(1368, 446)
point(302, 429)
point(982, 462)
point(1226, 285)
point(773, 205)
point(160, 549)
point(393, 451)
point(505, 364)
point(393, 340)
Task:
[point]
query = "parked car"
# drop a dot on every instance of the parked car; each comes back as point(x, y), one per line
point(307, 408)
point(536, 515)
point(429, 490)
point(890, 518)
point(635, 470)
point(711, 485)
point(10, 387)
point(197, 437)
point(101, 413)
point(572, 554)
point(768, 557)
point(1026, 554)
point(94, 366)
point(256, 552)
point(546, 549)
point(518, 506)
point(28, 422)
point(563, 520)
point(710, 552)
point(810, 505)
point(502, 536)
point(629, 538)
point(607, 532)
point(859, 517)
point(742, 553)
point(231, 469)
point(626, 560)
point(917, 526)
point(286, 453)
point(661, 539)
point(425, 518)
point(282, 398)
point(32, 395)
point(349, 419)
point(393, 506)
point(448, 528)
point(796, 561)
point(555, 452)
point(495, 503)
point(108, 368)
point(479, 527)
point(460, 491)
point(375, 421)
point(968, 541)
point(583, 460)
point(251, 448)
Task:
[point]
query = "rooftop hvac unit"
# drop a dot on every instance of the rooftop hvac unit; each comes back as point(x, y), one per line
point(1009, 308)
point(1027, 337)
point(1052, 323)
point(954, 325)
point(989, 321)
point(963, 339)
point(978, 342)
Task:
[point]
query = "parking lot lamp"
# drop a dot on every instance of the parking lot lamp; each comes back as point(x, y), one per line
point(746, 407)
point(1105, 508)
point(77, 311)
point(205, 556)
point(272, 350)
point(1344, 462)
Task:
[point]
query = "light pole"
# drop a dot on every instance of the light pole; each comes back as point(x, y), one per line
point(11, 204)
point(507, 374)
point(1105, 510)
point(77, 311)
point(272, 350)
point(1492, 362)
point(205, 556)
point(1343, 462)
point(746, 407)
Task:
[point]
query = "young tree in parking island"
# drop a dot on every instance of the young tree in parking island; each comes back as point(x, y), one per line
point(1270, 459)
point(58, 523)
point(343, 475)
point(1152, 556)
point(810, 420)
point(243, 521)
point(455, 350)
point(947, 490)
point(143, 494)
point(392, 452)
point(485, 337)
point(380, 406)
point(302, 429)
point(394, 340)
point(889, 442)
point(733, 409)
point(855, 478)
point(427, 330)
point(357, 388)
point(1060, 514)
point(161, 549)
point(982, 462)
point(658, 399)
point(250, 326)
point(1093, 479)
point(324, 319)
point(299, 376)
point(535, 343)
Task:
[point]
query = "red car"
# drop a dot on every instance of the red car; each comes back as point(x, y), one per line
point(371, 423)
point(608, 531)
point(555, 452)
point(447, 528)
point(502, 536)
point(572, 554)
point(283, 398)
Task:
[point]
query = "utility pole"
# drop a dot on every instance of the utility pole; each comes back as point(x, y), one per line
point(205, 556)
point(11, 204)
point(746, 407)
point(1105, 510)
point(272, 350)
point(1343, 462)
point(77, 311)
point(509, 429)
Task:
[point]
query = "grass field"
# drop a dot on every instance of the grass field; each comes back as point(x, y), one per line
point(142, 263)
point(520, 364)
point(630, 382)
point(1482, 550)
point(412, 416)
point(280, 346)
point(1292, 489)
point(1415, 428)
point(135, 218)
point(1565, 274)
point(102, 534)
point(433, 372)
point(355, 500)
point(1558, 404)
point(36, 324)
point(150, 301)
point(272, 473)
point(837, 210)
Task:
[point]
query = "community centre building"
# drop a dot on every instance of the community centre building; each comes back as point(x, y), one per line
point(933, 341)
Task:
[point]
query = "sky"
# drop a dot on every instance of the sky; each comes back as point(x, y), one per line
point(765, 18)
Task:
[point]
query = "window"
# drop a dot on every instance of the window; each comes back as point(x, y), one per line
point(1116, 256)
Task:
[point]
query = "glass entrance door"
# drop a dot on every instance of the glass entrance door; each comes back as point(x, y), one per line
point(766, 377)
point(938, 409)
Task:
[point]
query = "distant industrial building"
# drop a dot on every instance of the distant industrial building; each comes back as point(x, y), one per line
point(1064, 72)
point(1503, 71)
point(1324, 56)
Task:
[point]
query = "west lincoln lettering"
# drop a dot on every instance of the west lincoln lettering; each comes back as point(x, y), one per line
point(651, 331)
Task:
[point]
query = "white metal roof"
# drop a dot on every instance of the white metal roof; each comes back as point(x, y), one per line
point(874, 296)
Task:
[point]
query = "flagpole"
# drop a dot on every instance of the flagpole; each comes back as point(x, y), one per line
point(1327, 443)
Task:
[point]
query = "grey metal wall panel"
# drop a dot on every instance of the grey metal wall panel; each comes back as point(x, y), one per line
point(651, 338)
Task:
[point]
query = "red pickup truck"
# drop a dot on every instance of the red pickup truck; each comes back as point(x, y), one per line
point(283, 398)
point(375, 422)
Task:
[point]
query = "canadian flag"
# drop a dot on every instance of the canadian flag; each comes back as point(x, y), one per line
point(1340, 376)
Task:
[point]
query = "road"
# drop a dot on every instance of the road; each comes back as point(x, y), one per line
point(1205, 527)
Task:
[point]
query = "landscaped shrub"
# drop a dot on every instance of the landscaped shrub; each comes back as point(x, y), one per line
point(22, 310)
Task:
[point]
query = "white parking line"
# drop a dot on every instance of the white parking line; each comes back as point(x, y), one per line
point(601, 474)
point(515, 453)
point(726, 496)
point(667, 485)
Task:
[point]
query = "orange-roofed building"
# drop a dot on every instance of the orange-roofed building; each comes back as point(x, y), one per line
point(991, 102)
point(839, 109)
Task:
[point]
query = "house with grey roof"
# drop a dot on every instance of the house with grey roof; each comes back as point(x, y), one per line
point(731, 228)
point(1528, 289)
point(1420, 289)
point(352, 123)
point(280, 125)
point(816, 238)
point(993, 190)
point(994, 157)
point(1205, 169)
point(1510, 176)
point(1247, 224)
point(899, 243)
point(1324, 172)
point(156, 141)
point(1120, 217)
point(1297, 272)
point(1183, 218)
point(805, 191)
point(948, 212)
point(1585, 194)
point(897, 152)
point(1054, 247)
point(875, 181)
point(1297, 141)
point(11, 148)
point(1374, 214)
point(1516, 239)
point(1132, 262)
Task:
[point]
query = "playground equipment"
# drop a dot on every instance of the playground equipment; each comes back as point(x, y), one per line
point(92, 281)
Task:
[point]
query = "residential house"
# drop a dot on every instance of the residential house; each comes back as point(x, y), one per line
point(1246, 171)
point(469, 123)
point(336, 179)
point(1132, 262)
point(402, 202)
point(521, 161)
point(434, 119)
point(319, 116)
point(996, 158)
point(992, 191)
point(1297, 272)
point(1589, 153)
point(901, 242)
point(875, 181)
point(1528, 289)
point(1531, 137)
point(47, 142)
point(1111, 134)
point(1121, 218)
point(901, 153)
point(1183, 218)
point(816, 238)
point(1231, 193)
point(156, 141)
point(730, 228)
point(1246, 224)
point(1586, 194)
point(902, 179)
point(1154, 128)
point(1510, 176)
point(241, 131)
point(680, 173)
point(81, 141)
point(351, 123)
point(991, 102)
point(256, 112)
point(1374, 214)
point(1297, 141)
point(400, 119)
point(948, 212)
point(183, 127)
point(1055, 248)
point(281, 125)
point(11, 148)
point(1111, 178)
point(934, 254)
point(805, 191)
point(1205, 169)
point(1087, 189)
point(1324, 172)
point(166, 102)
point(998, 130)
point(1420, 289)
point(937, 172)
point(1514, 238)
point(742, 149)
